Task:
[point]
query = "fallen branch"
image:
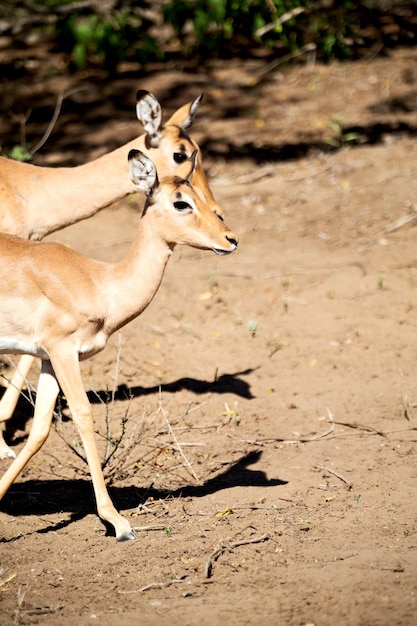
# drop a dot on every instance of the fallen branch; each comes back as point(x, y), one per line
point(320, 436)
point(401, 222)
point(330, 471)
point(154, 586)
point(369, 429)
point(223, 547)
point(281, 20)
point(261, 442)
point(6, 579)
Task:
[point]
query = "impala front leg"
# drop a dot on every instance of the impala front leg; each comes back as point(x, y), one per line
point(67, 370)
point(44, 409)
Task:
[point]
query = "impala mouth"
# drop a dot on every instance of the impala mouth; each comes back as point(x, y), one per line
point(232, 241)
point(222, 252)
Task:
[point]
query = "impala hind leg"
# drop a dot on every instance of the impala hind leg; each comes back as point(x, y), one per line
point(10, 398)
point(67, 370)
point(44, 409)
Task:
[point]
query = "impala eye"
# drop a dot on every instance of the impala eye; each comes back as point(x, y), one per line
point(180, 157)
point(180, 205)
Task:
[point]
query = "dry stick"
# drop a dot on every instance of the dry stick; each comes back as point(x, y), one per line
point(110, 410)
point(223, 547)
point(320, 436)
point(7, 579)
point(370, 431)
point(407, 410)
point(189, 444)
point(51, 125)
point(213, 557)
point(261, 442)
point(144, 498)
point(53, 121)
point(342, 478)
point(374, 431)
point(154, 527)
point(398, 568)
point(153, 586)
point(281, 20)
point(25, 394)
point(187, 463)
point(402, 221)
point(309, 47)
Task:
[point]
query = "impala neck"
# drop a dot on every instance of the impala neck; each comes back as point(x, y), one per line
point(137, 277)
point(77, 193)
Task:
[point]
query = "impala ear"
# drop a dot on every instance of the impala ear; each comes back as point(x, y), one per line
point(149, 113)
point(184, 117)
point(142, 172)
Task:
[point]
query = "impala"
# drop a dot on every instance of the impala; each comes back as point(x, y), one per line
point(61, 306)
point(37, 201)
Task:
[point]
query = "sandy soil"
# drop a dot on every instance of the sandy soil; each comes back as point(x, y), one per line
point(268, 460)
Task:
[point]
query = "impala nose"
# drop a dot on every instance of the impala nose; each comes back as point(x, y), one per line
point(232, 240)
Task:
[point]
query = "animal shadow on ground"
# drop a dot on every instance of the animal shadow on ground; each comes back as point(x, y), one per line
point(76, 496)
point(226, 383)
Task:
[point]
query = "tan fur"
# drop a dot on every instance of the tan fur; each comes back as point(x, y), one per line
point(64, 306)
point(37, 201)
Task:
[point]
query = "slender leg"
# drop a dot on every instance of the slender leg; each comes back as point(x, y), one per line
point(9, 400)
point(44, 409)
point(67, 371)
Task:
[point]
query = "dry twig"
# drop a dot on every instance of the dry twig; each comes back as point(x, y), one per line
point(330, 471)
point(153, 586)
point(264, 441)
point(229, 546)
point(5, 578)
point(289, 15)
point(407, 410)
point(187, 463)
point(401, 222)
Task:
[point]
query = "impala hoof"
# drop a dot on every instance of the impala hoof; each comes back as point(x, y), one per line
point(127, 536)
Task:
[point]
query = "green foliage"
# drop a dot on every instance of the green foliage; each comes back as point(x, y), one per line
point(233, 26)
point(106, 39)
point(96, 34)
point(340, 138)
point(18, 153)
point(334, 32)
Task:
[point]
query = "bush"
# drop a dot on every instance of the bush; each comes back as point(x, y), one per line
point(95, 33)
point(226, 27)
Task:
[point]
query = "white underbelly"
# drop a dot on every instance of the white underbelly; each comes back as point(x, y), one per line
point(12, 346)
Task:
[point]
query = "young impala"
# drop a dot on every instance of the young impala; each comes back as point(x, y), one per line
point(37, 201)
point(61, 306)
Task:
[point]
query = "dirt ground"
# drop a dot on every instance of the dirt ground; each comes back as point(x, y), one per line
point(268, 460)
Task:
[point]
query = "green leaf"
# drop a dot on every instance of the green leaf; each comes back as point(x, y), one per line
point(19, 153)
point(79, 55)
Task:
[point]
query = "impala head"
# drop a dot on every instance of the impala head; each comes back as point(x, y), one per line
point(170, 145)
point(180, 210)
